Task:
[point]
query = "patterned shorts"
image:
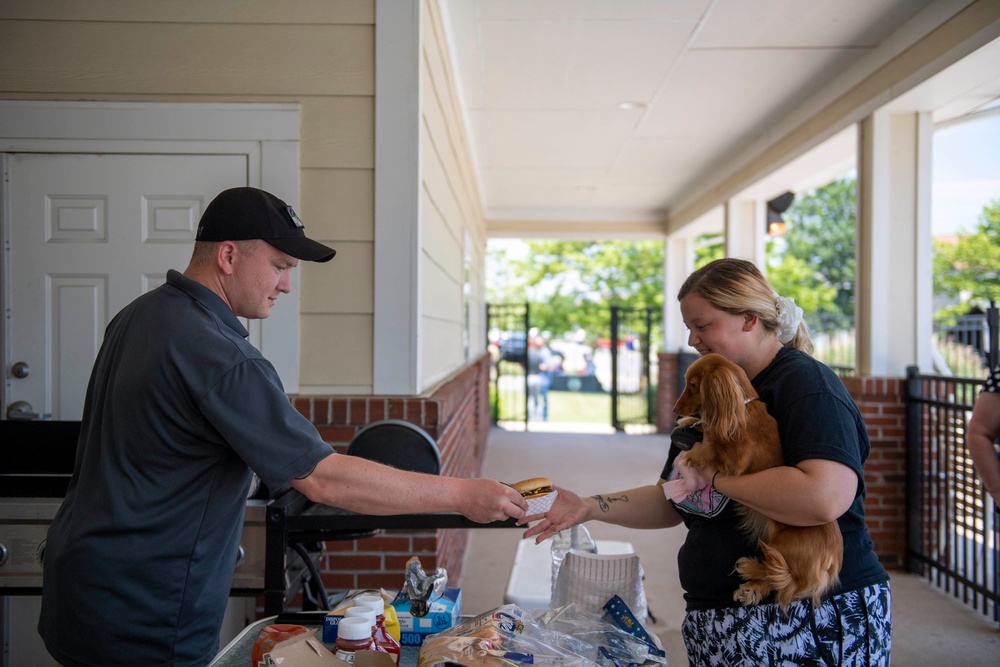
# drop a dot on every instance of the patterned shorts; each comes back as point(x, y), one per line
point(853, 629)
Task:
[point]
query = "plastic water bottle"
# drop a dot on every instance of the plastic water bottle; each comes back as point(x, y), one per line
point(578, 538)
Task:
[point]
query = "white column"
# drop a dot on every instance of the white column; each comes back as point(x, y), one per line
point(893, 282)
point(678, 265)
point(397, 198)
point(745, 235)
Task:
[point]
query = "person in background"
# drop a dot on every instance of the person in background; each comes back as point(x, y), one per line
point(982, 434)
point(179, 412)
point(540, 366)
point(729, 308)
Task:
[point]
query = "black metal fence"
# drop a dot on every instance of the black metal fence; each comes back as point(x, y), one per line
point(620, 366)
point(634, 336)
point(507, 325)
point(953, 531)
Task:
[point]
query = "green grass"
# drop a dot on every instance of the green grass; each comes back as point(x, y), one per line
point(579, 407)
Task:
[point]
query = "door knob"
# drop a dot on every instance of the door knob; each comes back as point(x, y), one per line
point(23, 410)
point(20, 370)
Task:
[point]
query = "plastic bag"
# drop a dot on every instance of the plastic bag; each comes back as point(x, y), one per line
point(509, 637)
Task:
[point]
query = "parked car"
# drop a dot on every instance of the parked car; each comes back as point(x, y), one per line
point(513, 346)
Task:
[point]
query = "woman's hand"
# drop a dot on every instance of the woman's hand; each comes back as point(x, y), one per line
point(695, 479)
point(568, 510)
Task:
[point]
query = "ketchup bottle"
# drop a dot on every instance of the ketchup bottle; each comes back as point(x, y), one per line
point(382, 636)
point(370, 618)
point(352, 635)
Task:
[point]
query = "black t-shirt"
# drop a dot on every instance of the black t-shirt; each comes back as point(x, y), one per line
point(180, 408)
point(817, 419)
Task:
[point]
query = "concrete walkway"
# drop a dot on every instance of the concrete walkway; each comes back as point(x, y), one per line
point(930, 628)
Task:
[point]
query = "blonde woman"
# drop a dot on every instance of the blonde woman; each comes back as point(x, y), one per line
point(729, 308)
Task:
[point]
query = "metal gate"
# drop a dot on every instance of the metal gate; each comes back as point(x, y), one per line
point(625, 361)
point(633, 364)
point(507, 326)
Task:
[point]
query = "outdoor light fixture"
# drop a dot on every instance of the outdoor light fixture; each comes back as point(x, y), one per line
point(775, 223)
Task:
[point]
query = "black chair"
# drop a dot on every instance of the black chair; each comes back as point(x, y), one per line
point(395, 442)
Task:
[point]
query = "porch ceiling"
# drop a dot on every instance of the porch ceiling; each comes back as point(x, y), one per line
point(706, 85)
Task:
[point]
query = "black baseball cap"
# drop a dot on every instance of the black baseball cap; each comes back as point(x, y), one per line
point(241, 214)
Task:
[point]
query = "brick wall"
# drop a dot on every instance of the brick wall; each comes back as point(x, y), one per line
point(882, 402)
point(456, 415)
point(668, 379)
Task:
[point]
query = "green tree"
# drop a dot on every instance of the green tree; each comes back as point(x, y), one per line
point(571, 283)
point(502, 284)
point(708, 248)
point(813, 262)
point(968, 268)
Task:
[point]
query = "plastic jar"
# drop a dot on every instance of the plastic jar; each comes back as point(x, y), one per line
point(369, 615)
point(382, 637)
point(353, 634)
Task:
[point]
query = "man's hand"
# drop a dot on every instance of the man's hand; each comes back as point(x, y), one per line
point(487, 500)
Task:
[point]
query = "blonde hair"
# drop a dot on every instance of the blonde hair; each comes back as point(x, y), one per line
point(737, 286)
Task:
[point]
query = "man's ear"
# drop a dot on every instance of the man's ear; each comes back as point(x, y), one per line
point(225, 255)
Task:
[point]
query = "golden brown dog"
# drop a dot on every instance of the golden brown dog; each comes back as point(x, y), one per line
point(741, 437)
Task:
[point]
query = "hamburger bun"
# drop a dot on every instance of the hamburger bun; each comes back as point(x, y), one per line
point(534, 486)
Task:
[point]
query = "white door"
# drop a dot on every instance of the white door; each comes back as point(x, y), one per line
point(88, 234)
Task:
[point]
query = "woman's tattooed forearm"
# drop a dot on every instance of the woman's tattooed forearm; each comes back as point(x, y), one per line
point(604, 502)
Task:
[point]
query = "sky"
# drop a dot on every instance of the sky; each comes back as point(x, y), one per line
point(966, 173)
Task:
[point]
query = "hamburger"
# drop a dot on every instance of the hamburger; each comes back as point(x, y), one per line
point(535, 486)
point(539, 493)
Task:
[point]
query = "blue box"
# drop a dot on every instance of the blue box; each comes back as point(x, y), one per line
point(330, 623)
point(444, 613)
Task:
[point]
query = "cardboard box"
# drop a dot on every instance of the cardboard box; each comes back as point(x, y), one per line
point(306, 651)
point(444, 613)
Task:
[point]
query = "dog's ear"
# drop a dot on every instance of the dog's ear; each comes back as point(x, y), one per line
point(723, 402)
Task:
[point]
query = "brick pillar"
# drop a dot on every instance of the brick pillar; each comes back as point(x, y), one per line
point(666, 391)
point(882, 402)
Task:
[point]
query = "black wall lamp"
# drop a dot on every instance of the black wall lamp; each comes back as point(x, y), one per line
point(775, 223)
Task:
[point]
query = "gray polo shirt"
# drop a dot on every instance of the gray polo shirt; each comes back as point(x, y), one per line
point(180, 408)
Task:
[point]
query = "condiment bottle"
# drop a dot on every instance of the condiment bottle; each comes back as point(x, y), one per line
point(382, 636)
point(371, 618)
point(353, 634)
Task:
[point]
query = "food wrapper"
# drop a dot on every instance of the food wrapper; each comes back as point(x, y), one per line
point(541, 504)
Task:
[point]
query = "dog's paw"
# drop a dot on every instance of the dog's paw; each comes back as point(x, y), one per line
point(748, 594)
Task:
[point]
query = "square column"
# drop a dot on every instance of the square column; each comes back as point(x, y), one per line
point(894, 281)
point(745, 233)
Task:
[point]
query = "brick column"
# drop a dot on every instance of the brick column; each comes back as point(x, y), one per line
point(882, 402)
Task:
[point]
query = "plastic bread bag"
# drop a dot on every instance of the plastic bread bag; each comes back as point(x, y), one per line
point(617, 638)
point(509, 637)
point(504, 637)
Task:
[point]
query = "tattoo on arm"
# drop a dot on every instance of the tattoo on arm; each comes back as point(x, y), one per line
point(604, 503)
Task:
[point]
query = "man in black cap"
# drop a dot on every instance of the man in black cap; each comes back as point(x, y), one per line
point(180, 409)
